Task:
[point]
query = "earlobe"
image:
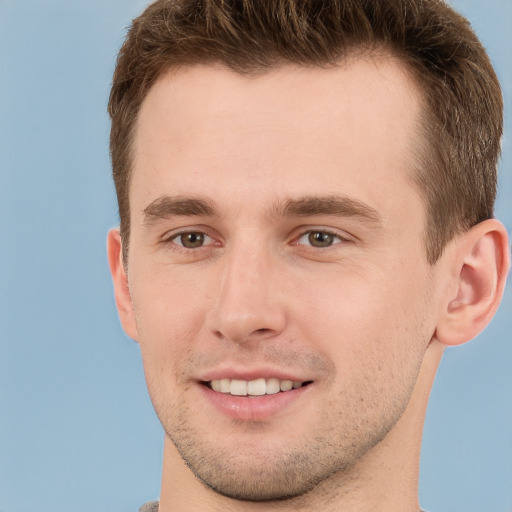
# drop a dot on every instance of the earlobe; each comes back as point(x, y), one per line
point(481, 266)
point(120, 281)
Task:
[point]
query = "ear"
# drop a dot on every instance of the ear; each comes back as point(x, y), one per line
point(479, 268)
point(120, 279)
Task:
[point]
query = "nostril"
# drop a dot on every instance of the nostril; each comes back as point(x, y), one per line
point(241, 324)
point(262, 331)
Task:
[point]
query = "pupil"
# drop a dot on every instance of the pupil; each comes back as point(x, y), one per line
point(192, 240)
point(319, 239)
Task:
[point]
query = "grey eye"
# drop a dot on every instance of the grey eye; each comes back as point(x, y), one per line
point(319, 239)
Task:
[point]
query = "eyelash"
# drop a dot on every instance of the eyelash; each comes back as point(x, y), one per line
point(177, 246)
point(326, 232)
point(172, 239)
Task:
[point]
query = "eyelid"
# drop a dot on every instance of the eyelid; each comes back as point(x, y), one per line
point(343, 237)
point(170, 236)
point(174, 239)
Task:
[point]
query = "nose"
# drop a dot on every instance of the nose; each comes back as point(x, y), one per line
point(248, 303)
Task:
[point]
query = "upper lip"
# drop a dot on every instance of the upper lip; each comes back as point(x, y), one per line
point(251, 374)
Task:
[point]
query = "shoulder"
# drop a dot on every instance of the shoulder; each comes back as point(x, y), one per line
point(150, 506)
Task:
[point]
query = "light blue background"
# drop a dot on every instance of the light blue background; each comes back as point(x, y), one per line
point(77, 430)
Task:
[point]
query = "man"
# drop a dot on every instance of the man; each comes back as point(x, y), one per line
point(306, 193)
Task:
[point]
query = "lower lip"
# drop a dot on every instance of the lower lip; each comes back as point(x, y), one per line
point(249, 408)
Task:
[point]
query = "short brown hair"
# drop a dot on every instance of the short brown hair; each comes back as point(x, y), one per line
point(463, 106)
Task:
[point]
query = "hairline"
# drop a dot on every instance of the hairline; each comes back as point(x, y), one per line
point(421, 139)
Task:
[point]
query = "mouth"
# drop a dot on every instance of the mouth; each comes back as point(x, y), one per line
point(254, 388)
point(258, 397)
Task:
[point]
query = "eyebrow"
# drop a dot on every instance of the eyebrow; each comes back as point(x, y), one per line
point(309, 206)
point(165, 207)
point(339, 206)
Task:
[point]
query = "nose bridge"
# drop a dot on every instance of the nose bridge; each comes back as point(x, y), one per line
point(247, 301)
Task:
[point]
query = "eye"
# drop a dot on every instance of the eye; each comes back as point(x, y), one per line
point(192, 239)
point(319, 239)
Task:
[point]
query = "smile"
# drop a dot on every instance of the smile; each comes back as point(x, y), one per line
point(255, 398)
point(256, 387)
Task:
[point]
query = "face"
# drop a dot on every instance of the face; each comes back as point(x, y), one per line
point(281, 294)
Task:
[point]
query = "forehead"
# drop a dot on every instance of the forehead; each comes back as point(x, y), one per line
point(224, 134)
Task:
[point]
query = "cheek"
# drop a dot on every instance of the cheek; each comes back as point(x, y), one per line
point(167, 301)
point(367, 321)
point(169, 310)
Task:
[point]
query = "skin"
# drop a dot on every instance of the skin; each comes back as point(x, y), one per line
point(364, 317)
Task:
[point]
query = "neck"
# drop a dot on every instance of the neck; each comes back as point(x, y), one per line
point(384, 480)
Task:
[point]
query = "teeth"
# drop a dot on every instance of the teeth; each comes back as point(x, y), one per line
point(224, 385)
point(238, 387)
point(258, 387)
point(285, 385)
point(273, 386)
